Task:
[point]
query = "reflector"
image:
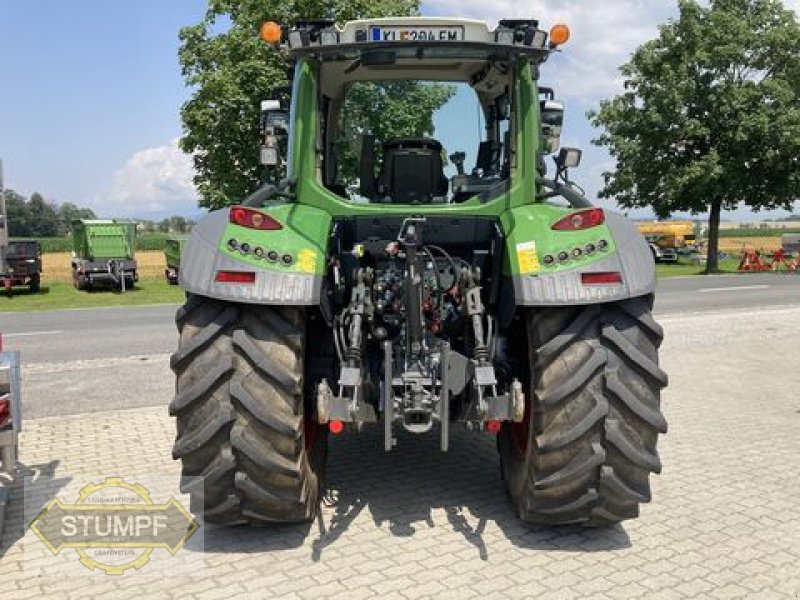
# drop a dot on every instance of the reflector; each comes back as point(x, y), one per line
point(236, 277)
point(601, 278)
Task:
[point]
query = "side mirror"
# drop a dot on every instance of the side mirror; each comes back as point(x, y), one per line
point(552, 113)
point(569, 158)
point(274, 132)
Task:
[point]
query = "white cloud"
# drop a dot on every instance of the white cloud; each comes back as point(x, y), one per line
point(604, 34)
point(153, 181)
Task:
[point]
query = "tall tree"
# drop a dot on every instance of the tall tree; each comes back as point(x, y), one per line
point(710, 115)
point(177, 224)
point(232, 71)
point(17, 216)
point(387, 110)
point(42, 216)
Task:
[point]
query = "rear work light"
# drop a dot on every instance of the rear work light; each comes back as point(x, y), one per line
point(611, 278)
point(584, 219)
point(253, 219)
point(236, 277)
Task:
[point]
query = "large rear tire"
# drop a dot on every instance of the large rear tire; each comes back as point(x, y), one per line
point(241, 418)
point(588, 444)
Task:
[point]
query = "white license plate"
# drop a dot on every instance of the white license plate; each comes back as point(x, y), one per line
point(416, 34)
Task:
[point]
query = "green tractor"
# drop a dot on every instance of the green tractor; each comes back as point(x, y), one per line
point(498, 299)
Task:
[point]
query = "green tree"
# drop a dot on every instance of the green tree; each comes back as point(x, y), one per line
point(177, 224)
point(42, 216)
point(163, 226)
point(17, 215)
point(232, 71)
point(387, 110)
point(710, 115)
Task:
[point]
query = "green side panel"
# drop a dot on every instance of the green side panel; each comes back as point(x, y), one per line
point(304, 237)
point(530, 238)
point(96, 240)
point(173, 247)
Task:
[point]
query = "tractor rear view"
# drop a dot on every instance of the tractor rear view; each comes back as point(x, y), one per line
point(496, 298)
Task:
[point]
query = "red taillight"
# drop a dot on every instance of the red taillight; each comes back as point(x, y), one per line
point(5, 412)
point(336, 427)
point(584, 219)
point(253, 219)
point(601, 278)
point(236, 277)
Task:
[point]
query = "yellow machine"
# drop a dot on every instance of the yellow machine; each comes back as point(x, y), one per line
point(677, 234)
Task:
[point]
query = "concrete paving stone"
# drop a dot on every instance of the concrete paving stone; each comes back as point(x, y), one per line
point(722, 523)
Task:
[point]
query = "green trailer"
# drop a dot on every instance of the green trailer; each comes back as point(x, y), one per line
point(103, 253)
point(173, 247)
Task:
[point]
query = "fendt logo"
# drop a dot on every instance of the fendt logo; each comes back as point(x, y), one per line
point(114, 526)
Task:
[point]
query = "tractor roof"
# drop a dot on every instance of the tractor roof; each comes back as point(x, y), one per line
point(325, 39)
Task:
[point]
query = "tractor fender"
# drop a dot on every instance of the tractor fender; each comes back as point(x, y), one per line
point(632, 259)
point(204, 256)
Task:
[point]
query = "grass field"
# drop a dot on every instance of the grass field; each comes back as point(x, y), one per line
point(685, 268)
point(55, 296)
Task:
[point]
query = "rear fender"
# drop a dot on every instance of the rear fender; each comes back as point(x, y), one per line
point(535, 283)
point(303, 236)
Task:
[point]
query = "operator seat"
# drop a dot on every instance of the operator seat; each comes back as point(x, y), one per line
point(412, 172)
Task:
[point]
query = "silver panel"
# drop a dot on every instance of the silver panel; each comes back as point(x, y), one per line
point(632, 258)
point(201, 260)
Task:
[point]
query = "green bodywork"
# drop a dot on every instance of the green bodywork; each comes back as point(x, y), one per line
point(303, 237)
point(96, 240)
point(173, 247)
point(306, 221)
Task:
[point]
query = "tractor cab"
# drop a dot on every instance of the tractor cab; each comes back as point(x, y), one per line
point(471, 146)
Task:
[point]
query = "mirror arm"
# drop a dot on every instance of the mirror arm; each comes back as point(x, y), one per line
point(269, 191)
point(575, 199)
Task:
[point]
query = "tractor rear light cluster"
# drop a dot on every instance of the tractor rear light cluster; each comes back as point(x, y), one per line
point(576, 253)
point(610, 278)
point(584, 219)
point(253, 219)
point(248, 277)
point(272, 256)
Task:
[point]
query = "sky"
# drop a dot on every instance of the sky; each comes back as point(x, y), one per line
point(90, 92)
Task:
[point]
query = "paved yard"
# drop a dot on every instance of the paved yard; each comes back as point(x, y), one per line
point(724, 521)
